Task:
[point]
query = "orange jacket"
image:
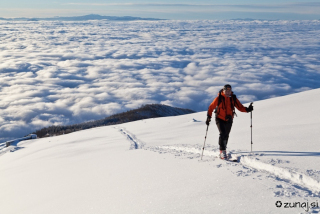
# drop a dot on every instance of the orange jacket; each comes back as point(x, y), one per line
point(224, 107)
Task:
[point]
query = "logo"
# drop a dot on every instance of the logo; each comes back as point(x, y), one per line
point(304, 205)
point(278, 204)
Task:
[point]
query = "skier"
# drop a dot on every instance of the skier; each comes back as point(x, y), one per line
point(224, 105)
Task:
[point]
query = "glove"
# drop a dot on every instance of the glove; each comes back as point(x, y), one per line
point(250, 108)
point(208, 120)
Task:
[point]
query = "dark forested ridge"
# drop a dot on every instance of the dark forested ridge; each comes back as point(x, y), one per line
point(144, 112)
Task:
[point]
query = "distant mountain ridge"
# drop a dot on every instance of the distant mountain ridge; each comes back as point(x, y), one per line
point(144, 112)
point(82, 18)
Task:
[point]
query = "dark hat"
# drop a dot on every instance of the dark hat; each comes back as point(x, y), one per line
point(226, 86)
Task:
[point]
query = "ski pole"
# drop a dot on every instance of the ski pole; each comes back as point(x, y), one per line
point(205, 138)
point(251, 128)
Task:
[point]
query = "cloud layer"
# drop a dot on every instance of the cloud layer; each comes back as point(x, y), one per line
point(55, 73)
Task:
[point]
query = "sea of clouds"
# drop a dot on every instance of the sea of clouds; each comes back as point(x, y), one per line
point(54, 73)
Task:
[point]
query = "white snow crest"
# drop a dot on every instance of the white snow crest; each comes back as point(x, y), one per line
point(295, 177)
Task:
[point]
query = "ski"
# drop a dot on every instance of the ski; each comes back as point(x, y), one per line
point(232, 160)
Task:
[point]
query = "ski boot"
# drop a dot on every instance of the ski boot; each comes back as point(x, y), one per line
point(223, 155)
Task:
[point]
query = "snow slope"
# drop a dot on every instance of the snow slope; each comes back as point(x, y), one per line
point(154, 166)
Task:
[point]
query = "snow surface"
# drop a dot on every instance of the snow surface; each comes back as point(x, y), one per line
point(154, 166)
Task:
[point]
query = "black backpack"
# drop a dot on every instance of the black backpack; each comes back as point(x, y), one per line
point(222, 99)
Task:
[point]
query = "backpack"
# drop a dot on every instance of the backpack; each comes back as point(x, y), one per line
point(221, 98)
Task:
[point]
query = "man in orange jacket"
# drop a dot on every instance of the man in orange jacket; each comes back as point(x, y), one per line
point(224, 105)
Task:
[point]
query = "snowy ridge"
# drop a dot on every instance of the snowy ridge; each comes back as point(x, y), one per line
point(4, 150)
point(295, 177)
point(11, 146)
point(2, 146)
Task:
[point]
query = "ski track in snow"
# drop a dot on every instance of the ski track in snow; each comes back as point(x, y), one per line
point(285, 174)
point(291, 183)
point(135, 143)
point(288, 183)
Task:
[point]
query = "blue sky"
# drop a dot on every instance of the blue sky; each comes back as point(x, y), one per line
point(201, 9)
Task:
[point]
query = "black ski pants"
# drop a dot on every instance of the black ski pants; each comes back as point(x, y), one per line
point(224, 130)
